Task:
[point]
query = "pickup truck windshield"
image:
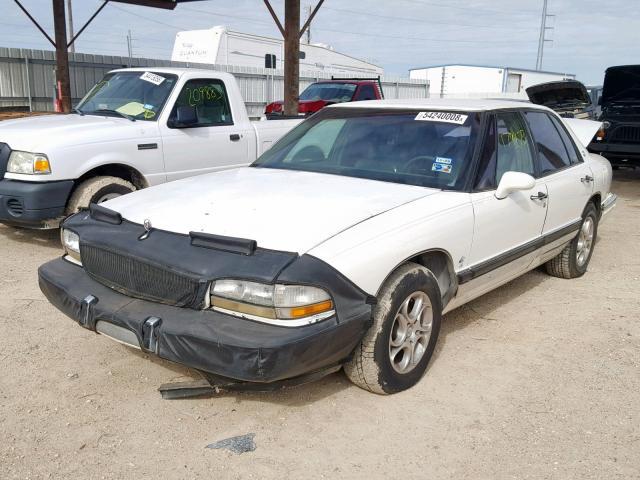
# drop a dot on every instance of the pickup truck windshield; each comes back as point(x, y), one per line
point(330, 92)
point(133, 95)
point(430, 149)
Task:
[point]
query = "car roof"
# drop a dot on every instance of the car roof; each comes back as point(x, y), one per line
point(189, 72)
point(464, 104)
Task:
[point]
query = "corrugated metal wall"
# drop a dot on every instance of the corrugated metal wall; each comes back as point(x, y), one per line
point(27, 78)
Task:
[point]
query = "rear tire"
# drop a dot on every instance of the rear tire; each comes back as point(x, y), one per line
point(394, 353)
point(574, 259)
point(97, 190)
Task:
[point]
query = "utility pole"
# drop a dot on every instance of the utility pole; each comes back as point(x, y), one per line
point(308, 32)
point(129, 46)
point(63, 82)
point(291, 56)
point(72, 47)
point(543, 35)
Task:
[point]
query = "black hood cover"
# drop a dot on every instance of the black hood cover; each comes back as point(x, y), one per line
point(559, 94)
point(621, 84)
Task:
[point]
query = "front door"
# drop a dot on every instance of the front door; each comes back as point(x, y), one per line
point(214, 142)
point(506, 231)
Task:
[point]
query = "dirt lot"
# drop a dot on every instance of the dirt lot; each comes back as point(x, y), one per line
point(539, 379)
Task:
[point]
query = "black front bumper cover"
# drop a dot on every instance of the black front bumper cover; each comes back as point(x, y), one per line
point(211, 341)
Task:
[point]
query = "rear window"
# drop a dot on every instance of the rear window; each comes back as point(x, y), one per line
point(430, 149)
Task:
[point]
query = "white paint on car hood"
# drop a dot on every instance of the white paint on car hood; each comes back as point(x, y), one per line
point(280, 209)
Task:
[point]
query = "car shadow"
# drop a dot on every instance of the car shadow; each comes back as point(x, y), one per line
point(294, 396)
point(482, 308)
point(45, 238)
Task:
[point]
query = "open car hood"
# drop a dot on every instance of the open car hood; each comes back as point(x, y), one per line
point(283, 210)
point(621, 84)
point(559, 95)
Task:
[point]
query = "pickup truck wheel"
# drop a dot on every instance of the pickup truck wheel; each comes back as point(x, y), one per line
point(574, 259)
point(97, 190)
point(394, 353)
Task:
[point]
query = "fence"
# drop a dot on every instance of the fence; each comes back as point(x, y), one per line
point(27, 78)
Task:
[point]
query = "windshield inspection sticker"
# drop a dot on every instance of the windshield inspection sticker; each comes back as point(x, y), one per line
point(446, 161)
point(445, 117)
point(441, 167)
point(152, 78)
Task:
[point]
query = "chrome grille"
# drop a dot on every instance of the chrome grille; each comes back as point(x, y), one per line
point(139, 279)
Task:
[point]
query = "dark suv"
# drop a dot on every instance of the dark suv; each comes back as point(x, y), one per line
point(619, 138)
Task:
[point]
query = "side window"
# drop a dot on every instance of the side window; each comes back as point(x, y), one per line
point(513, 151)
point(552, 154)
point(574, 156)
point(209, 99)
point(366, 92)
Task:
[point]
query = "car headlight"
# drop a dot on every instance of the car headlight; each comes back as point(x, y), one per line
point(28, 163)
point(71, 244)
point(286, 305)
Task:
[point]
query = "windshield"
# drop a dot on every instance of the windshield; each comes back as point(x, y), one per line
point(429, 149)
point(135, 95)
point(329, 92)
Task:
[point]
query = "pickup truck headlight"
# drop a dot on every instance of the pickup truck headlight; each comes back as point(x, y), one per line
point(28, 163)
point(285, 305)
point(71, 245)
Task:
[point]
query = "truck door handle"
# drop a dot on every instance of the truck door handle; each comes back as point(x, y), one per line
point(539, 196)
point(234, 137)
point(587, 179)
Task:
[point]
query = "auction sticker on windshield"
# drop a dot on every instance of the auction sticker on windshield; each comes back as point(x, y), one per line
point(445, 117)
point(152, 78)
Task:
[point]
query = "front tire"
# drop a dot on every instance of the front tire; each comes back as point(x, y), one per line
point(97, 190)
point(394, 353)
point(574, 259)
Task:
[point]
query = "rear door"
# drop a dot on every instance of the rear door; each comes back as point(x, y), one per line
point(216, 142)
point(506, 231)
point(568, 179)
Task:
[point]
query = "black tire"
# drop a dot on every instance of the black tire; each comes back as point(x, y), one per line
point(371, 366)
point(93, 190)
point(566, 264)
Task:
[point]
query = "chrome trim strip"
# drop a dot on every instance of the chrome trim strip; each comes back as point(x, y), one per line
point(608, 204)
point(280, 323)
point(119, 334)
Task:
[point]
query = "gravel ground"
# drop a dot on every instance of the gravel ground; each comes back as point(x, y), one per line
point(538, 379)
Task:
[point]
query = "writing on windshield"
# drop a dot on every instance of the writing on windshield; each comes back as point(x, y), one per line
point(132, 95)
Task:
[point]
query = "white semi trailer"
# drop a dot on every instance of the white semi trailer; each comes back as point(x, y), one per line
point(221, 46)
point(481, 80)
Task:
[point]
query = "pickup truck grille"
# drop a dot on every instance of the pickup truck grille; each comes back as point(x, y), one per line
point(139, 279)
point(5, 151)
point(626, 134)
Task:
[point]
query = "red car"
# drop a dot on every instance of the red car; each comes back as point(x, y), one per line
point(337, 90)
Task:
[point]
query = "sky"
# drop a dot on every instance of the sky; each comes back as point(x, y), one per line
point(587, 35)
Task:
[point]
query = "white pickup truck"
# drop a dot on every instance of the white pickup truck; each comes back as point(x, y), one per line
point(136, 128)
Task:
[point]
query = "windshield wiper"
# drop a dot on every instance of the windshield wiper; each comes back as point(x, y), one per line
point(108, 110)
point(78, 111)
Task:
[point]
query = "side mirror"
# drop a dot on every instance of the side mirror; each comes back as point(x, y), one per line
point(512, 182)
point(185, 116)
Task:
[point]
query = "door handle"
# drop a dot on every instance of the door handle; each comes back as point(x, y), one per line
point(234, 137)
point(587, 179)
point(539, 196)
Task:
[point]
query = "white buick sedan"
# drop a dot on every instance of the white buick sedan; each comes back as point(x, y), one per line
point(341, 246)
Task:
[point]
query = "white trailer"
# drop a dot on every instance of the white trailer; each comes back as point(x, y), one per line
point(221, 46)
point(482, 81)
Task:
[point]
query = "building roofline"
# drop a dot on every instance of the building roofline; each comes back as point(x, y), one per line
point(491, 66)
